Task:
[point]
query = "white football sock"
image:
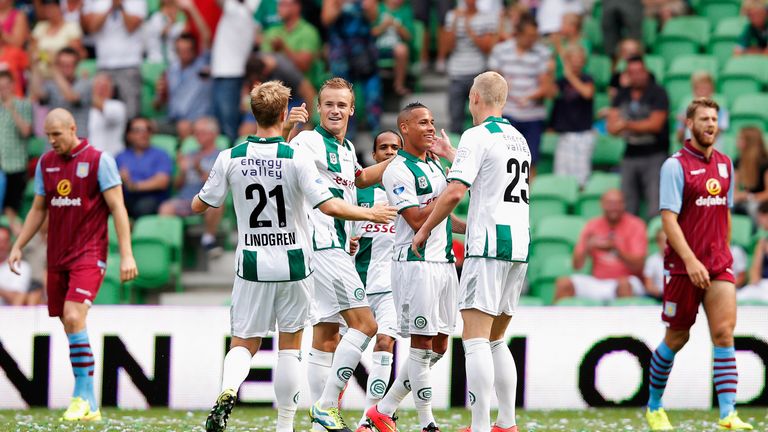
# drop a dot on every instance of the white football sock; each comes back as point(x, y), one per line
point(418, 373)
point(287, 384)
point(237, 364)
point(435, 358)
point(345, 360)
point(378, 379)
point(399, 390)
point(505, 383)
point(318, 368)
point(479, 366)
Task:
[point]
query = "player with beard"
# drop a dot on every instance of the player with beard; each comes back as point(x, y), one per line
point(696, 186)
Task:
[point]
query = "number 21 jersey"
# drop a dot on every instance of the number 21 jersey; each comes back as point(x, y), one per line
point(494, 161)
point(270, 182)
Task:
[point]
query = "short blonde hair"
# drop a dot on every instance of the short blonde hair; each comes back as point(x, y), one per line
point(337, 83)
point(701, 102)
point(492, 88)
point(269, 101)
point(702, 76)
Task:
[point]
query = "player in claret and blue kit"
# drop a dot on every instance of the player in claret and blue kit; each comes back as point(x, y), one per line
point(696, 196)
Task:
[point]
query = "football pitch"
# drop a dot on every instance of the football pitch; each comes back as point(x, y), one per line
point(261, 419)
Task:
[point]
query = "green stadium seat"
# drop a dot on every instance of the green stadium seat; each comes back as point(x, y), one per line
point(653, 225)
point(190, 144)
point(114, 245)
point(599, 68)
point(551, 195)
point(547, 153)
point(87, 68)
point(609, 150)
point(111, 291)
point(167, 143)
point(745, 74)
point(594, 34)
point(36, 146)
point(678, 79)
point(545, 271)
point(650, 31)
point(599, 102)
point(556, 234)
point(753, 302)
point(150, 73)
point(682, 35)
point(657, 66)
point(530, 301)
point(634, 301)
point(578, 302)
point(588, 205)
point(157, 246)
point(718, 11)
point(724, 39)
point(727, 145)
point(749, 109)
point(741, 231)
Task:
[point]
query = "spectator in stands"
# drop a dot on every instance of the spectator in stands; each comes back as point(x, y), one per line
point(116, 29)
point(161, 30)
point(422, 11)
point(569, 35)
point(72, 10)
point(394, 34)
point(107, 117)
point(617, 243)
point(702, 85)
point(14, 60)
point(639, 114)
point(550, 14)
point(294, 37)
point(653, 270)
point(572, 117)
point(352, 53)
point(13, 287)
point(63, 88)
point(192, 171)
point(145, 170)
point(621, 17)
point(186, 87)
point(266, 15)
point(751, 171)
point(528, 67)
point(754, 38)
point(510, 19)
point(629, 48)
point(663, 10)
point(14, 26)
point(53, 34)
point(231, 46)
point(758, 272)
point(15, 128)
point(468, 38)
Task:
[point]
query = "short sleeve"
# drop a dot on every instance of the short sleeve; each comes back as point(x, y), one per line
point(311, 183)
point(671, 186)
point(400, 188)
point(215, 189)
point(39, 186)
point(467, 163)
point(357, 166)
point(108, 175)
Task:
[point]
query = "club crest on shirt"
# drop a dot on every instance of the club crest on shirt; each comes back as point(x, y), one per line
point(332, 157)
point(722, 169)
point(422, 182)
point(670, 309)
point(82, 169)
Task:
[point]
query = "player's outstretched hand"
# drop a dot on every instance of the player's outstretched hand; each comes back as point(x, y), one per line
point(698, 273)
point(14, 259)
point(382, 213)
point(354, 243)
point(128, 270)
point(419, 239)
point(442, 146)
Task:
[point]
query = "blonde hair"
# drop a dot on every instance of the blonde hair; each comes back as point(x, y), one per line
point(702, 76)
point(492, 88)
point(337, 83)
point(269, 101)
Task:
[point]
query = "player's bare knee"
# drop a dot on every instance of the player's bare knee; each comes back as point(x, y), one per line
point(73, 320)
point(384, 343)
point(676, 339)
point(722, 334)
point(440, 344)
point(251, 344)
point(421, 342)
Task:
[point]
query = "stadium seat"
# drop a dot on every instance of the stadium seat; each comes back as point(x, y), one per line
point(724, 39)
point(678, 79)
point(750, 109)
point(608, 152)
point(544, 272)
point(634, 301)
point(718, 11)
point(599, 102)
point(552, 195)
point(650, 31)
point(657, 66)
point(753, 302)
point(111, 291)
point(114, 245)
point(578, 301)
point(190, 144)
point(588, 205)
point(599, 68)
point(36, 146)
point(744, 75)
point(653, 225)
point(741, 231)
point(594, 34)
point(682, 35)
point(167, 143)
point(157, 246)
point(547, 153)
point(530, 301)
point(727, 145)
point(150, 73)
point(556, 234)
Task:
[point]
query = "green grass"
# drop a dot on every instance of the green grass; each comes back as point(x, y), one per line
point(257, 420)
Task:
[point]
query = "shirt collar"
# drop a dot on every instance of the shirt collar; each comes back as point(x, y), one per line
point(687, 146)
point(262, 140)
point(322, 131)
point(78, 148)
point(411, 157)
point(496, 120)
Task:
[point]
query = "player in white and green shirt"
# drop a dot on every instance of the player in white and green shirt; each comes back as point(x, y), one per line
point(493, 162)
point(270, 184)
point(373, 262)
point(339, 292)
point(424, 285)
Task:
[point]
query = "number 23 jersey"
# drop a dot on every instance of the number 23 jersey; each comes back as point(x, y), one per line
point(494, 161)
point(270, 182)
